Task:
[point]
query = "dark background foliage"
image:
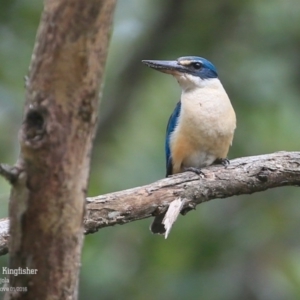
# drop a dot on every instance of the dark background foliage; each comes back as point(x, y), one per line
point(245, 247)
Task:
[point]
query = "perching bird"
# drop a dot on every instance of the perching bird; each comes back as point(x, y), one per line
point(201, 127)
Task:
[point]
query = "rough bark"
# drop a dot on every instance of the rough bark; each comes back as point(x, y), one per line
point(245, 175)
point(50, 178)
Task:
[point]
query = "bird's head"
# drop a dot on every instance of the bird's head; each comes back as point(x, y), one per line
point(190, 71)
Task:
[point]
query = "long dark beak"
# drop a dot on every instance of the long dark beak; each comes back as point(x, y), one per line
point(165, 66)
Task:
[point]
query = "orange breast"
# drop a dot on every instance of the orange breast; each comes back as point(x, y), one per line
point(180, 149)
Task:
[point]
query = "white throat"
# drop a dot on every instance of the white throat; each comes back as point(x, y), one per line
point(189, 82)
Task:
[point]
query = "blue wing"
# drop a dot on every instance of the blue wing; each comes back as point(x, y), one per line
point(170, 128)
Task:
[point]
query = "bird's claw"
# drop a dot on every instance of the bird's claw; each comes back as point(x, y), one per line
point(223, 161)
point(194, 170)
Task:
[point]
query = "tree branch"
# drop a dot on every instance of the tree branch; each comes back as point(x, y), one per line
point(245, 175)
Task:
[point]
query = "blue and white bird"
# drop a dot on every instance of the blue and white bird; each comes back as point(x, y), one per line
point(201, 127)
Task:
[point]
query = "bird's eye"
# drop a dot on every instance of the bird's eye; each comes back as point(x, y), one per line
point(197, 65)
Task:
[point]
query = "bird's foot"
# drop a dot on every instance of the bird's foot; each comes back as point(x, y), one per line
point(194, 170)
point(223, 161)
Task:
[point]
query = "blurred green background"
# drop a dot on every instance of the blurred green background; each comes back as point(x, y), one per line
point(245, 247)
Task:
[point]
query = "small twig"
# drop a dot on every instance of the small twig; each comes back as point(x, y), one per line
point(4, 229)
point(11, 174)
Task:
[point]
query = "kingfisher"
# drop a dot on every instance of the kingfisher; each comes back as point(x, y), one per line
point(201, 127)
